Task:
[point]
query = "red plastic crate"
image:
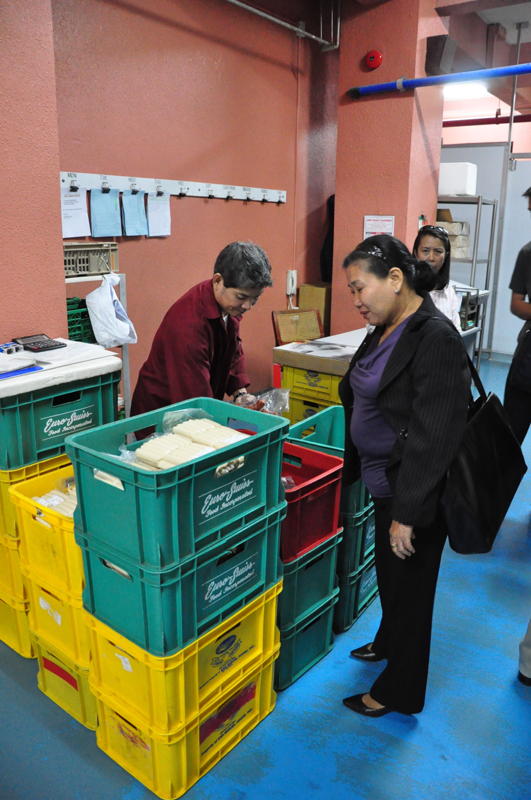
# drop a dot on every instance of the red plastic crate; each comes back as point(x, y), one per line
point(313, 503)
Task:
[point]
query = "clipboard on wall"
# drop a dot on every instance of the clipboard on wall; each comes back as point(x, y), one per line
point(299, 325)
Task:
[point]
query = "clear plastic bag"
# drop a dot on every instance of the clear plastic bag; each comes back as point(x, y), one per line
point(108, 317)
point(276, 401)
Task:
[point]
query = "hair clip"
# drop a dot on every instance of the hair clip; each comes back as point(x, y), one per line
point(374, 250)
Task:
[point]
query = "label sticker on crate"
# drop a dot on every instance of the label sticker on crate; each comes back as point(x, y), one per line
point(226, 718)
point(230, 581)
point(63, 424)
point(227, 496)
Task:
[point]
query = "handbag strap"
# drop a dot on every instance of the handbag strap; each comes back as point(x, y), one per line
point(476, 380)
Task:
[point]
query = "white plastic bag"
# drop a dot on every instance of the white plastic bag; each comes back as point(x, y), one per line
point(110, 323)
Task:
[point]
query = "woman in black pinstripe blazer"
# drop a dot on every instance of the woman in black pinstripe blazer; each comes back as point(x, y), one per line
point(405, 397)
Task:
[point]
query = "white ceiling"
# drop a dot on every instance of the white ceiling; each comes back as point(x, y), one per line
point(508, 15)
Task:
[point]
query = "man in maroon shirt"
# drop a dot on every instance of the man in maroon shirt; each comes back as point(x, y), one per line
point(197, 351)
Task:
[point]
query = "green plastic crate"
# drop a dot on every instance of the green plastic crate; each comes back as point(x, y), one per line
point(157, 519)
point(305, 642)
point(34, 425)
point(162, 611)
point(78, 319)
point(308, 581)
point(324, 431)
point(356, 593)
point(355, 498)
point(358, 541)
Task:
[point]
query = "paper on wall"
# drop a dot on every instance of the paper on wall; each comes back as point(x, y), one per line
point(158, 211)
point(74, 213)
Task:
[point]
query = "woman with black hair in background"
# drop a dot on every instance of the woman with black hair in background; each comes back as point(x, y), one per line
point(433, 245)
point(406, 397)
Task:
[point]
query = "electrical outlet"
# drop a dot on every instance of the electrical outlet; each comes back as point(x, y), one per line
point(291, 282)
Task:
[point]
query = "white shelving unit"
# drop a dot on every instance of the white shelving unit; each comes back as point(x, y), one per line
point(469, 290)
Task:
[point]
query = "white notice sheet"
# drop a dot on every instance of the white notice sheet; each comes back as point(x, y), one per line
point(74, 213)
point(158, 210)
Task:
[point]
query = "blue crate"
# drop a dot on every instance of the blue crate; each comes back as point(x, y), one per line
point(162, 611)
point(157, 519)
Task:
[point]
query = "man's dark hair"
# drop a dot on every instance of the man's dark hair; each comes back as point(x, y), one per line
point(527, 192)
point(244, 265)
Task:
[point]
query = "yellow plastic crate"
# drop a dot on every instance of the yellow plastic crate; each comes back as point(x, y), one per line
point(10, 477)
point(14, 626)
point(58, 618)
point(65, 682)
point(169, 764)
point(302, 408)
point(11, 580)
point(310, 384)
point(47, 544)
point(166, 693)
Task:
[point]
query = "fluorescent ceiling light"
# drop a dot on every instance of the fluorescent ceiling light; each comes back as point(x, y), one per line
point(469, 90)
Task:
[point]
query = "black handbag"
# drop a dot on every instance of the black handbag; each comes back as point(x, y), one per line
point(484, 476)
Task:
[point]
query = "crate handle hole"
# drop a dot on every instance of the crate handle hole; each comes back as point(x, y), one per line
point(105, 477)
point(293, 460)
point(39, 517)
point(119, 571)
point(229, 466)
point(230, 554)
point(69, 397)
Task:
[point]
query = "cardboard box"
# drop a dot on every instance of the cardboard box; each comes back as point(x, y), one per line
point(457, 228)
point(289, 357)
point(459, 242)
point(317, 295)
point(458, 178)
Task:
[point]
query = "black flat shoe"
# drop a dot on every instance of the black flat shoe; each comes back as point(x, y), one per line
point(524, 679)
point(365, 653)
point(355, 703)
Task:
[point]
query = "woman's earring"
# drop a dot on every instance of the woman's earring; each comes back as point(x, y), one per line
point(397, 291)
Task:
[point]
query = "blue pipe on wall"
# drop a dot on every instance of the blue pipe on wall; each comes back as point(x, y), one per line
point(403, 84)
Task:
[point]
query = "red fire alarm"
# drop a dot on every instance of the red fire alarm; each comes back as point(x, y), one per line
point(373, 59)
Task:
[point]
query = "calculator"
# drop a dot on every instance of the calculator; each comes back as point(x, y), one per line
point(38, 343)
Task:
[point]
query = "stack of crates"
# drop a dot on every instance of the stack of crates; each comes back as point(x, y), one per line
point(79, 324)
point(356, 570)
point(309, 545)
point(52, 567)
point(182, 581)
point(355, 563)
point(310, 392)
point(33, 425)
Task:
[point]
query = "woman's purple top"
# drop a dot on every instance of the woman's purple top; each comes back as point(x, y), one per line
point(372, 436)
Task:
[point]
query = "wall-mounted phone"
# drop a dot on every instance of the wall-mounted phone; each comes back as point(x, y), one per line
point(291, 282)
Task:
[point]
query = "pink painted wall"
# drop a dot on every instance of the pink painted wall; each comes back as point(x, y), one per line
point(33, 290)
point(388, 145)
point(200, 90)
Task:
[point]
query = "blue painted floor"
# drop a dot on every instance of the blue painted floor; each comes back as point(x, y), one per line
point(472, 741)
